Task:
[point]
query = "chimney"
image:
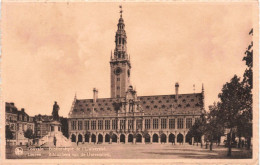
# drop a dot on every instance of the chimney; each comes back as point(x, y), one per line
point(176, 89)
point(22, 109)
point(95, 94)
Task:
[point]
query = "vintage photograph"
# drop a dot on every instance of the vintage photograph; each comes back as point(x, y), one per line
point(176, 81)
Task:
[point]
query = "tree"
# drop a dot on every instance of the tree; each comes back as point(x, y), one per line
point(8, 133)
point(230, 106)
point(213, 128)
point(247, 116)
point(29, 134)
point(64, 126)
point(198, 129)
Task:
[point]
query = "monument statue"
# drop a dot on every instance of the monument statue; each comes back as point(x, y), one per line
point(55, 111)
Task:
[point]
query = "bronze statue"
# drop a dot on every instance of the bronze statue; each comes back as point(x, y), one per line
point(55, 111)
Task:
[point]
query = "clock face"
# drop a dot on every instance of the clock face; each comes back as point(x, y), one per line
point(118, 71)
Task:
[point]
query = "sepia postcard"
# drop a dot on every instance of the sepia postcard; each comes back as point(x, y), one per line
point(129, 82)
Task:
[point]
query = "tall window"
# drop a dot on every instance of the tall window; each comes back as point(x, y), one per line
point(86, 125)
point(107, 124)
point(155, 123)
point(188, 122)
point(117, 87)
point(79, 125)
point(118, 79)
point(171, 123)
point(130, 124)
point(147, 124)
point(100, 124)
point(180, 123)
point(139, 124)
point(93, 125)
point(122, 124)
point(73, 125)
point(163, 123)
point(114, 124)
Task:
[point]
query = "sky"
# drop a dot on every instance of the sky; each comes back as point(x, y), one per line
point(50, 51)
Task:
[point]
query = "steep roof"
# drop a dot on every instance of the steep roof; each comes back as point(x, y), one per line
point(10, 108)
point(152, 105)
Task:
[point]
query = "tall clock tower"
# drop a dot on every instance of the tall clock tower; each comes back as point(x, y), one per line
point(120, 63)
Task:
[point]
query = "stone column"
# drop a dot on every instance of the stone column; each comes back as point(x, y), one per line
point(143, 140)
point(166, 139)
point(175, 139)
point(83, 138)
point(118, 126)
point(184, 138)
point(159, 123)
point(159, 139)
point(110, 123)
point(126, 124)
point(143, 122)
point(192, 140)
point(104, 138)
point(90, 138)
point(104, 122)
point(184, 123)
point(76, 137)
point(151, 140)
point(167, 123)
point(134, 126)
point(96, 125)
point(126, 138)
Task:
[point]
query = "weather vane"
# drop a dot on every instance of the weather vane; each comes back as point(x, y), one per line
point(121, 11)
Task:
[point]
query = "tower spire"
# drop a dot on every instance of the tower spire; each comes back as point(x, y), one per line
point(121, 11)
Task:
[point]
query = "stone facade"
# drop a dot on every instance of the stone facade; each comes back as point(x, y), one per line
point(18, 121)
point(128, 118)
